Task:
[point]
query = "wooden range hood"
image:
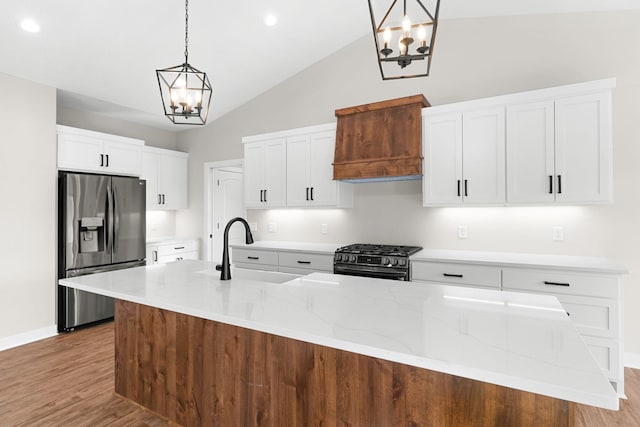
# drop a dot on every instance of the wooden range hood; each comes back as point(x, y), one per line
point(380, 141)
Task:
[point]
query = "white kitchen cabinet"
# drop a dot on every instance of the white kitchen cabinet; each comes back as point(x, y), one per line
point(559, 150)
point(310, 171)
point(464, 157)
point(87, 151)
point(265, 173)
point(298, 262)
point(166, 173)
point(172, 250)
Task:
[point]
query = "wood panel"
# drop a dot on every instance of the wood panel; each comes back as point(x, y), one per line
point(68, 380)
point(380, 139)
point(198, 372)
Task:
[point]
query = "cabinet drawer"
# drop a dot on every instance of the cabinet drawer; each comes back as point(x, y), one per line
point(254, 256)
point(460, 274)
point(313, 262)
point(596, 317)
point(607, 356)
point(562, 283)
point(178, 257)
point(176, 248)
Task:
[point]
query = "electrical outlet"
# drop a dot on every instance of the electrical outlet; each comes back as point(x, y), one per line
point(462, 232)
point(557, 233)
point(324, 228)
point(272, 227)
point(253, 226)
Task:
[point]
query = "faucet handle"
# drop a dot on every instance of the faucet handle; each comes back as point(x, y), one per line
point(219, 267)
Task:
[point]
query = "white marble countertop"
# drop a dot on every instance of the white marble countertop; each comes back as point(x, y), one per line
point(515, 340)
point(284, 246)
point(521, 260)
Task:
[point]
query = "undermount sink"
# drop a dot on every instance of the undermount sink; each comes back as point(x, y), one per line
point(257, 275)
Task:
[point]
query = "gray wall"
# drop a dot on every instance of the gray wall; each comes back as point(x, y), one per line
point(28, 214)
point(474, 58)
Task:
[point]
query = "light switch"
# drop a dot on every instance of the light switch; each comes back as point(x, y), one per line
point(272, 227)
point(324, 228)
point(462, 232)
point(558, 233)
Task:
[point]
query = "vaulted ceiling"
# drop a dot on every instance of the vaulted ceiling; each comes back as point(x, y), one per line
point(102, 55)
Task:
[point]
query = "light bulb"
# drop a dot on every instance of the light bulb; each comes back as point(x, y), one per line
point(387, 35)
point(406, 24)
point(422, 33)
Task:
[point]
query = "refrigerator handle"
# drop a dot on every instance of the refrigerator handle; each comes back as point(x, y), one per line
point(109, 219)
point(116, 218)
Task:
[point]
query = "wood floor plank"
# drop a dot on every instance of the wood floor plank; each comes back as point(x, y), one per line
point(68, 380)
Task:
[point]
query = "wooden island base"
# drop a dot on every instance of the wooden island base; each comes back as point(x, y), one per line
point(198, 372)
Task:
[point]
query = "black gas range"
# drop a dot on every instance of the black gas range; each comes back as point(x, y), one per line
point(369, 260)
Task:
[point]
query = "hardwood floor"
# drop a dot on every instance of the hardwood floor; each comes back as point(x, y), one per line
point(68, 380)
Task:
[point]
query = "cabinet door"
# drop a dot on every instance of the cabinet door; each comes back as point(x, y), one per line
point(174, 181)
point(275, 170)
point(323, 187)
point(442, 167)
point(298, 164)
point(151, 173)
point(123, 158)
point(583, 148)
point(483, 156)
point(530, 153)
point(254, 168)
point(80, 153)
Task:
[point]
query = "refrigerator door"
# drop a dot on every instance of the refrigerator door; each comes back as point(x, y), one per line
point(85, 234)
point(82, 308)
point(129, 219)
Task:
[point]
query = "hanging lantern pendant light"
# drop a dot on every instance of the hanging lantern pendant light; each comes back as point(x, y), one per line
point(396, 24)
point(185, 90)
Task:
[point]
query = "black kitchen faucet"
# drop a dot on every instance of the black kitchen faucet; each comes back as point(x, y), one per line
point(225, 268)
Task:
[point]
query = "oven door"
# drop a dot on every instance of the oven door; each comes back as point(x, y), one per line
point(376, 272)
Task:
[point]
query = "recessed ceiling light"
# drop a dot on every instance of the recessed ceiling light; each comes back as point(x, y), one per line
point(270, 20)
point(30, 26)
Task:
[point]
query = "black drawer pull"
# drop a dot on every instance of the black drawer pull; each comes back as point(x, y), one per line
point(179, 247)
point(452, 275)
point(253, 257)
point(304, 262)
point(556, 283)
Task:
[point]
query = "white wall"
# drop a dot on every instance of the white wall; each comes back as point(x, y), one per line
point(474, 58)
point(28, 215)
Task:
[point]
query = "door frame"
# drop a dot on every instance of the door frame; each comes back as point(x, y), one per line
point(209, 168)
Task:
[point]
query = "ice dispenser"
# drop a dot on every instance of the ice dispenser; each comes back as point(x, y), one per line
point(91, 234)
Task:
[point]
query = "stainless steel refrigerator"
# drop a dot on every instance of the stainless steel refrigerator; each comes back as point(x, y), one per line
point(101, 227)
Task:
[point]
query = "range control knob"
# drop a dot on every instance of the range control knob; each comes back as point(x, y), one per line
point(385, 261)
point(395, 261)
point(352, 258)
point(403, 262)
point(338, 257)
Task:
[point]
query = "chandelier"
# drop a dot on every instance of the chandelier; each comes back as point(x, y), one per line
point(404, 37)
point(185, 90)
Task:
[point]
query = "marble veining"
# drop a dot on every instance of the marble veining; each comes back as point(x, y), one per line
point(518, 340)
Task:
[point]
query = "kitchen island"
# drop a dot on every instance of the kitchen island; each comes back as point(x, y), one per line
point(324, 349)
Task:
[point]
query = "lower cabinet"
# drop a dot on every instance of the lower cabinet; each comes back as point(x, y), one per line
point(174, 250)
point(591, 300)
point(283, 261)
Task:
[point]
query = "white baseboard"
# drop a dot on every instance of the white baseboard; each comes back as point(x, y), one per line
point(632, 360)
point(27, 337)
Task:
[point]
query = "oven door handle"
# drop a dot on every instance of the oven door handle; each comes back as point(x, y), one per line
point(370, 272)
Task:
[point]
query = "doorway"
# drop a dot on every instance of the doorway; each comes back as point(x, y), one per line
point(224, 195)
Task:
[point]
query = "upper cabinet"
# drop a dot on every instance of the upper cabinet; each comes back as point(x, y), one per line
point(293, 168)
point(560, 150)
point(166, 173)
point(464, 157)
point(88, 151)
point(265, 162)
point(540, 147)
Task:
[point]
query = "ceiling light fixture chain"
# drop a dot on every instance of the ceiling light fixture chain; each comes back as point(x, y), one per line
point(185, 90)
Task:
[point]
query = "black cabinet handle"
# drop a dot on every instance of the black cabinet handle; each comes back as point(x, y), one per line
point(550, 184)
point(265, 195)
point(304, 262)
point(466, 188)
point(163, 202)
point(253, 257)
point(557, 283)
point(559, 184)
point(107, 156)
point(159, 199)
point(101, 160)
point(458, 188)
point(307, 193)
point(261, 195)
point(452, 275)
point(311, 193)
